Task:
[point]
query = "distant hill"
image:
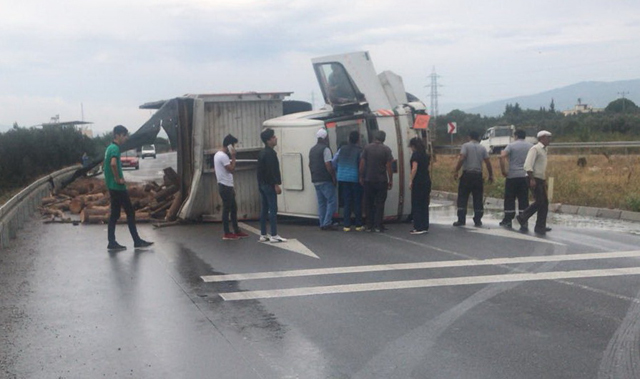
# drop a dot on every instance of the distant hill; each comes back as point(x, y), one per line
point(596, 94)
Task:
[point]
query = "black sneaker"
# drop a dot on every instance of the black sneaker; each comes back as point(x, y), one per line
point(116, 247)
point(458, 223)
point(506, 224)
point(477, 223)
point(142, 243)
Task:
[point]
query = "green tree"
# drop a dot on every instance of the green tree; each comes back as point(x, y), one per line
point(622, 105)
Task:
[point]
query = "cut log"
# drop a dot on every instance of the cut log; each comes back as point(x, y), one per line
point(76, 205)
point(63, 206)
point(91, 197)
point(94, 215)
point(136, 192)
point(106, 200)
point(52, 212)
point(165, 193)
point(69, 192)
point(175, 207)
point(161, 205)
point(156, 213)
point(171, 176)
point(152, 186)
point(49, 200)
point(142, 203)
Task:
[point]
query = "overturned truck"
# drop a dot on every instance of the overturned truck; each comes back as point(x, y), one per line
point(357, 99)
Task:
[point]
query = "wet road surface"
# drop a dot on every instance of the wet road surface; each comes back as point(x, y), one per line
point(449, 309)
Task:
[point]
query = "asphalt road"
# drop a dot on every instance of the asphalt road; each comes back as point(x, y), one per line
point(456, 303)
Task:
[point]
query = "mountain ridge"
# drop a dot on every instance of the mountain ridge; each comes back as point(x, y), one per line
point(594, 93)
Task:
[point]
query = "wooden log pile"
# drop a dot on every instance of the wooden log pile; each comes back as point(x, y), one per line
point(89, 199)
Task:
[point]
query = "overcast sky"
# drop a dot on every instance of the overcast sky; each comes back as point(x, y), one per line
point(112, 56)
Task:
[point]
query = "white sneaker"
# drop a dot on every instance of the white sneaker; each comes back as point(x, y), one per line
point(264, 238)
point(277, 238)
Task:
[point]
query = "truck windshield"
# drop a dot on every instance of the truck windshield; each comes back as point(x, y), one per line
point(336, 84)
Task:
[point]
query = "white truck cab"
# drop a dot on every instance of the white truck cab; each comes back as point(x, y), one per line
point(496, 138)
point(357, 98)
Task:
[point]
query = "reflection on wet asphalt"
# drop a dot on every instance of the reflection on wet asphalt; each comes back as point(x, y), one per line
point(70, 309)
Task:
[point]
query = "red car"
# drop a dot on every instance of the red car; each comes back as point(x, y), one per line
point(129, 159)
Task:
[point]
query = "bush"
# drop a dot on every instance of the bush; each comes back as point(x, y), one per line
point(29, 153)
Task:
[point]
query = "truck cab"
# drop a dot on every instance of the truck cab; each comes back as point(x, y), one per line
point(496, 138)
point(357, 99)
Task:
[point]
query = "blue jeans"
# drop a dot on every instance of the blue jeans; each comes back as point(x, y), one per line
point(327, 201)
point(352, 197)
point(269, 209)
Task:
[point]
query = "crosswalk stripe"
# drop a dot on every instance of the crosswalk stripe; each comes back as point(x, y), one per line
point(426, 283)
point(420, 265)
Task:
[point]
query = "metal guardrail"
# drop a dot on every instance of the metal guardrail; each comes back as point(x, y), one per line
point(19, 208)
point(563, 145)
point(584, 145)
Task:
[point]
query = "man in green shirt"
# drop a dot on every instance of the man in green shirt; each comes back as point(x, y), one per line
point(112, 168)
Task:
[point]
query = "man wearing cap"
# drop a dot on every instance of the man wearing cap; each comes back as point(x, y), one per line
point(536, 166)
point(516, 185)
point(472, 154)
point(323, 177)
point(224, 162)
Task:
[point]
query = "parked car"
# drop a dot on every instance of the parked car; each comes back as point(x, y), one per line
point(129, 159)
point(148, 151)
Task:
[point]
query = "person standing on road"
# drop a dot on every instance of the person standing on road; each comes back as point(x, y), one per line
point(376, 176)
point(536, 167)
point(224, 162)
point(516, 185)
point(323, 178)
point(420, 186)
point(347, 160)
point(114, 179)
point(269, 181)
point(470, 160)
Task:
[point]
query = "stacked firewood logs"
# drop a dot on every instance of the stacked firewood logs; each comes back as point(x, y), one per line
point(89, 199)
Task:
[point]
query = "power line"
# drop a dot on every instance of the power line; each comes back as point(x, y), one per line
point(434, 99)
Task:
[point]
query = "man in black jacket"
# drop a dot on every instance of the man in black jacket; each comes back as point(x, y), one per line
point(324, 179)
point(269, 181)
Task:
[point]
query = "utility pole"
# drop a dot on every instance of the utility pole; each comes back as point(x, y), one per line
point(434, 100)
point(624, 101)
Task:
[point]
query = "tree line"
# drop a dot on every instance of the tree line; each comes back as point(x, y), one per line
point(619, 121)
point(30, 153)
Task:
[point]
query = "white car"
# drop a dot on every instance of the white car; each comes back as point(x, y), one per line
point(148, 151)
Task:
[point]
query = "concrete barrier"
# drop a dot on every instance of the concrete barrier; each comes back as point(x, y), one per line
point(22, 206)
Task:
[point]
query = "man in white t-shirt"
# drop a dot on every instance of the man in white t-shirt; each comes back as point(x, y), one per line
point(224, 162)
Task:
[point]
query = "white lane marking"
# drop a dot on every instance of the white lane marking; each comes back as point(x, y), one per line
point(421, 265)
point(500, 232)
point(427, 283)
point(292, 244)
